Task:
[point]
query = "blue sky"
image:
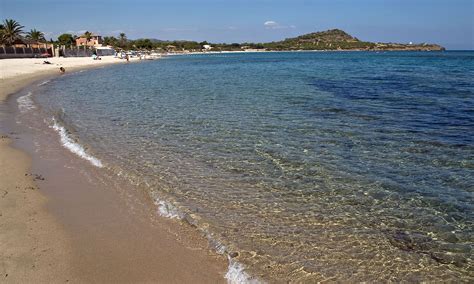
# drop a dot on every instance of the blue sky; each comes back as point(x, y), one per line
point(447, 22)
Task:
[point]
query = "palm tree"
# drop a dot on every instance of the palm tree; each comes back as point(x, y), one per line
point(88, 36)
point(2, 27)
point(11, 31)
point(35, 35)
point(123, 39)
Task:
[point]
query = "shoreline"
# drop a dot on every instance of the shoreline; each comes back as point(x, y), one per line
point(301, 51)
point(66, 233)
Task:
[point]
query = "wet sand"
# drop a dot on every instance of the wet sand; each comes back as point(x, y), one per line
point(60, 222)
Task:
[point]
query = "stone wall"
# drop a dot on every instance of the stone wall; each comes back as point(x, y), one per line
point(24, 52)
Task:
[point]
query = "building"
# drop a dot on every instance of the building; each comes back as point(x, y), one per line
point(95, 40)
point(26, 48)
point(170, 48)
point(28, 43)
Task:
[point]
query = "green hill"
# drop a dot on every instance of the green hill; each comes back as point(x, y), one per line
point(335, 35)
point(336, 39)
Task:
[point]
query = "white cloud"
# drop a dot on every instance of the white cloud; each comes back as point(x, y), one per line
point(274, 25)
point(271, 25)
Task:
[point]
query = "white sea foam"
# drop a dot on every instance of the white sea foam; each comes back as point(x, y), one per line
point(74, 147)
point(25, 103)
point(43, 83)
point(167, 210)
point(236, 274)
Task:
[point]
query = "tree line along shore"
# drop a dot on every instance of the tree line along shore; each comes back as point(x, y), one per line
point(12, 32)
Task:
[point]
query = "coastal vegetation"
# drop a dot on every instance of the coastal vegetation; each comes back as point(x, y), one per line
point(122, 39)
point(88, 36)
point(35, 35)
point(327, 40)
point(10, 31)
point(66, 40)
point(334, 39)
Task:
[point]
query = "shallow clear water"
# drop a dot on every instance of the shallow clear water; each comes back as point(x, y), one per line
point(348, 165)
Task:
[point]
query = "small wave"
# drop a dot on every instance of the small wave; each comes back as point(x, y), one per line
point(25, 103)
point(43, 83)
point(167, 209)
point(74, 147)
point(236, 274)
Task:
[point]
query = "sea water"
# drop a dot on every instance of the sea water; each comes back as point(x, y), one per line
point(303, 166)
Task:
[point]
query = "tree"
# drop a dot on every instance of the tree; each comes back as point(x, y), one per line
point(110, 40)
point(66, 39)
point(235, 46)
point(2, 27)
point(202, 43)
point(122, 39)
point(143, 44)
point(88, 36)
point(35, 35)
point(11, 31)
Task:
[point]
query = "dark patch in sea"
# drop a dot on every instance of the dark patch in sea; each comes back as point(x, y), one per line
point(420, 243)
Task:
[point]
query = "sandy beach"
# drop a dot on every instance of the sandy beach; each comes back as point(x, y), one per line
point(55, 226)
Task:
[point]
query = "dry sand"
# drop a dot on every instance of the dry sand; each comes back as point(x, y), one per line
point(50, 232)
point(10, 68)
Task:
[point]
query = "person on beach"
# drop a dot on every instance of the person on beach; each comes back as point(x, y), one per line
point(62, 70)
point(126, 57)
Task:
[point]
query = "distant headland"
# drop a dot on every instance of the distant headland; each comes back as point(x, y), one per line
point(329, 40)
point(336, 39)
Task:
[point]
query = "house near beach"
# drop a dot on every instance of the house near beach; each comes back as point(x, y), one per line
point(95, 40)
point(29, 43)
point(170, 48)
